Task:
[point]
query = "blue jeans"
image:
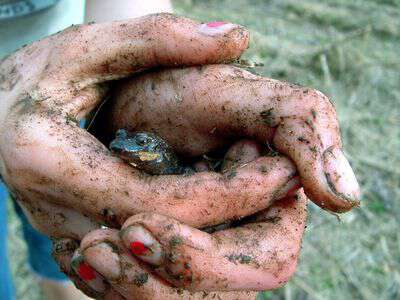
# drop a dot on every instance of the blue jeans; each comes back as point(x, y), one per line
point(39, 251)
point(6, 286)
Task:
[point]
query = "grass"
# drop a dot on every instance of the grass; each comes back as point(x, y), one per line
point(350, 51)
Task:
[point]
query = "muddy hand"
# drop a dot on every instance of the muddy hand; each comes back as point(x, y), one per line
point(199, 109)
point(46, 87)
point(260, 255)
point(257, 256)
point(102, 267)
point(83, 276)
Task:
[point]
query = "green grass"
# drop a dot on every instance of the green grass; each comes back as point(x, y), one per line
point(350, 51)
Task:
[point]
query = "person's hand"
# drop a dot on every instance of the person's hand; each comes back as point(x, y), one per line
point(64, 178)
point(157, 257)
point(61, 174)
point(200, 109)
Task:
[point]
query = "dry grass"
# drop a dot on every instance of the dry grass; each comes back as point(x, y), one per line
point(350, 51)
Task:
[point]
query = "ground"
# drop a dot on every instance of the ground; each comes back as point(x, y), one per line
point(350, 51)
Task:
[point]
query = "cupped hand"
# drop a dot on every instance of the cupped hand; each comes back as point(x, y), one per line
point(200, 109)
point(62, 175)
point(158, 257)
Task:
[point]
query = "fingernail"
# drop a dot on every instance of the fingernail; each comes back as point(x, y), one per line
point(142, 244)
point(216, 24)
point(216, 28)
point(340, 175)
point(104, 258)
point(87, 273)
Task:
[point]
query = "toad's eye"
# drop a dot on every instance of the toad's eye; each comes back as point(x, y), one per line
point(141, 140)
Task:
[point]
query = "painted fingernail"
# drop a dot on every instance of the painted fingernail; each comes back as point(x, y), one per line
point(216, 24)
point(87, 273)
point(216, 28)
point(340, 176)
point(142, 244)
point(104, 258)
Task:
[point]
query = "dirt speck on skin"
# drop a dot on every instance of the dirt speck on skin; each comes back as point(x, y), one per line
point(268, 117)
point(303, 140)
point(168, 227)
point(310, 124)
point(313, 149)
point(175, 241)
point(64, 245)
point(239, 258)
point(172, 257)
point(314, 114)
point(8, 82)
point(273, 220)
point(140, 279)
point(24, 105)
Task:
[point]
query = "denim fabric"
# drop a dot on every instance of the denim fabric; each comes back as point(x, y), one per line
point(39, 251)
point(6, 285)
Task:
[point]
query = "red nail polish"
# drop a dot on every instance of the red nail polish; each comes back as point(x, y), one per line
point(138, 248)
point(86, 272)
point(216, 24)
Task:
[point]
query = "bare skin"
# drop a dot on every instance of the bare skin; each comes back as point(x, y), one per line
point(65, 179)
point(62, 175)
point(46, 156)
point(209, 106)
point(257, 256)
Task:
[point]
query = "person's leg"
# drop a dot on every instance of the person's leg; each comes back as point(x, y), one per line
point(54, 283)
point(6, 285)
